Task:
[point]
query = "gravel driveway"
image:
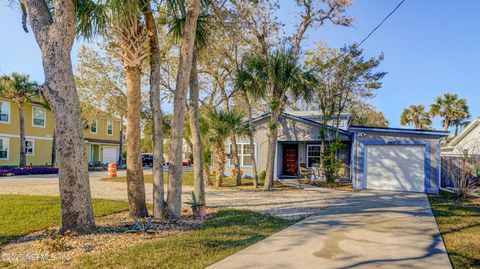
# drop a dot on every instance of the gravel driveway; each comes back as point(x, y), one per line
point(288, 204)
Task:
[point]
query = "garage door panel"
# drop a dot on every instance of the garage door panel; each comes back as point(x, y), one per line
point(395, 167)
point(110, 155)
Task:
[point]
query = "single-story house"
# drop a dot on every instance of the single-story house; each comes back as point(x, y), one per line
point(374, 158)
point(467, 141)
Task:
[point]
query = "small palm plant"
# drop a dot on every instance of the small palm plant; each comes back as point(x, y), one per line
point(222, 125)
point(198, 206)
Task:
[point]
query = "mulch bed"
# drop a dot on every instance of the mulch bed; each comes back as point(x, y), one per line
point(340, 185)
point(113, 232)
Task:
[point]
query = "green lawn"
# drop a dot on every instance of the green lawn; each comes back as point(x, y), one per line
point(459, 223)
point(228, 232)
point(187, 180)
point(22, 214)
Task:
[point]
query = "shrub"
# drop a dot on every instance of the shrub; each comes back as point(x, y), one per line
point(96, 164)
point(4, 171)
point(331, 165)
point(262, 175)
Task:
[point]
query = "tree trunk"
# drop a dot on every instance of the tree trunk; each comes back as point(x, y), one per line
point(219, 155)
point(198, 179)
point(159, 211)
point(55, 39)
point(236, 161)
point(272, 148)
point(174, 195)
point(23, 152)
point(251, 140)
point(135, 181)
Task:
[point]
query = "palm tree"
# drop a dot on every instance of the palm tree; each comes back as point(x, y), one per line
point(248, 88)
point(201, 36)
point(450, 108)
point(187, 44)
point(279, 75)
point(21, 91)
point(222, 125)
point(417, 116)
point(120, 21)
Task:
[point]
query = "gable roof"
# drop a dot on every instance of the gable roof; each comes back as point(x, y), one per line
point(397, 130)
point(470, 127)
point(299, 119)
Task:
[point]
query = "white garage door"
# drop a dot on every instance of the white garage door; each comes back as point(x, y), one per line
point(110, 155)
point(395, 167)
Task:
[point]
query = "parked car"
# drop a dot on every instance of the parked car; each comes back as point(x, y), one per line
point(147, 159)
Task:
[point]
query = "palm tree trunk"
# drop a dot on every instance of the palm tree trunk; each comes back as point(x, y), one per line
point(251, 140)
point(198, 179)
point(135, 181)
point(55, 39)
point(159, 211)
point(174, 195)
point(272, 148)
point(23, 152)
point(236, 161)
point(219, 154)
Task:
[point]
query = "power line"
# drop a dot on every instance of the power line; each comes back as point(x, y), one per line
point(380, 24)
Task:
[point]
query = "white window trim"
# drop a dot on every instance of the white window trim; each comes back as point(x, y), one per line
point(312, 145)
point(7, 142)
point(33, 147)
point(240, 156)
point(9, 111)
point(109, 122)
point(44, 117)
point(96, 128)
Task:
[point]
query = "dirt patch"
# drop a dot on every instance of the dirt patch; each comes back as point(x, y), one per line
point(113, 232)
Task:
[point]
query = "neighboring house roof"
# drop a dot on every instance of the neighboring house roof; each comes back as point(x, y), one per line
point(465, 132)
point(397, 130)
point(312, 113)
point(300, 119)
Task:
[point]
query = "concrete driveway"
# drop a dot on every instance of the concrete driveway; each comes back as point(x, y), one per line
point(371, 229)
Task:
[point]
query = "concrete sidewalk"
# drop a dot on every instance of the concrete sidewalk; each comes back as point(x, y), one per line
point(368, 230)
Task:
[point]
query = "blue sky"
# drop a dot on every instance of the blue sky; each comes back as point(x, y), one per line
point(431, 47)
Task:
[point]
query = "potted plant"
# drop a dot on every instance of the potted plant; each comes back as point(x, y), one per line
point(199, 208)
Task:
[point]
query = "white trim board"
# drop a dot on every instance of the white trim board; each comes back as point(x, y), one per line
point(28, 137)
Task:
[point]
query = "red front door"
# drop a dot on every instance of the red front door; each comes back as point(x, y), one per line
point(290, 160)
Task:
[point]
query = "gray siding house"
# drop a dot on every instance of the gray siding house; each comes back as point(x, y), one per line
point(375, 158)
point(298, 142)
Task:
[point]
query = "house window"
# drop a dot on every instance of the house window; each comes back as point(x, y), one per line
point(244, 154)
point(109, 127)
point(93, 127)
point(4, 148)
point(313, 155)
point(30, 147)
point(38, 117)
point(335, 122)
point(4, 111)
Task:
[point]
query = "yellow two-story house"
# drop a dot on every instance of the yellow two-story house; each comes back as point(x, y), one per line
point(102, 135)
